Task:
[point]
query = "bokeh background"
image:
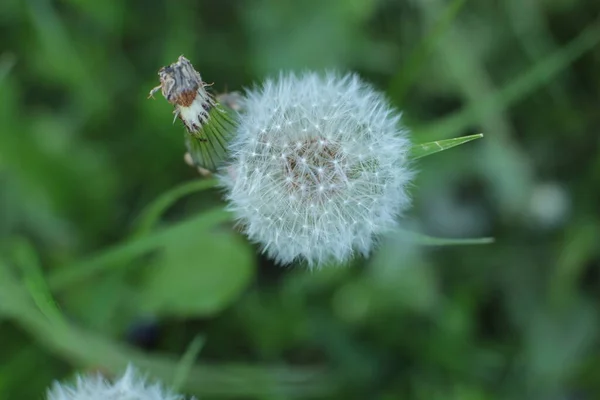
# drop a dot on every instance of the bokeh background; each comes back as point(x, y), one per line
point(83, 153)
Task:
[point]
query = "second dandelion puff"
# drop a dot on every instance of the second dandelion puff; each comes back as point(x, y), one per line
point(318, 168)
point(130, 386)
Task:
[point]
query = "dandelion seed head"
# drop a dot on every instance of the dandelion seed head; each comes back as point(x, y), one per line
point(339, 184)
point(130, 386)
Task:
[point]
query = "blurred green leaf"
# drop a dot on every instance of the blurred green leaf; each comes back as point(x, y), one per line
point(7, 62)
point(426, 149)
point(118, 255)
point(17, 364)
point(580, 246)
point(406, 75)
point(151, 214)
point(425, 240)
point(6, 296)
point(198, 277)
point(187, 362)
point(28, 261)
point(87, 348)
point(519, 87)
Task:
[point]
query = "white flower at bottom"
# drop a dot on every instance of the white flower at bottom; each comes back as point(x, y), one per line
point(130, 386)
point(318, 168)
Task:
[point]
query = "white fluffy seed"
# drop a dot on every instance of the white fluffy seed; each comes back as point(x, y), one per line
point(341, 183)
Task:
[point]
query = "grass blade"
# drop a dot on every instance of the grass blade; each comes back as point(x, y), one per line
point(33, 280)
point(7, 62)
point(118, 255)
point(406, 75)
point(187, 362)
point(213, 380)
point(426, 149)
point(425, 240)
point(518, 88)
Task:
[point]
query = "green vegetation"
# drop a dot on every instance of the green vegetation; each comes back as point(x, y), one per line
point(113, 250)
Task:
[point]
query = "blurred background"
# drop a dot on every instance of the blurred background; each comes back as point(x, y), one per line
point(83, 153)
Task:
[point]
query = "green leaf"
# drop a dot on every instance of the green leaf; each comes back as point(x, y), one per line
point(152, 213)
point(414, 66)
point(120, 254)
point(518, 88)
point(198, 273)
point(86, 347)
point(7, 62)
point(426, 149)
point(186, 362)
point(27, 259)
point(8, 294)
point(101, 304)
point(424, 240)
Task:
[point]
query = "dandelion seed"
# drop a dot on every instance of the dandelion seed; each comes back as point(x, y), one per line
point(131, 386)
point(334, 198)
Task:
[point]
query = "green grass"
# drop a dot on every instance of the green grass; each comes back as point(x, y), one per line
point(113, 250)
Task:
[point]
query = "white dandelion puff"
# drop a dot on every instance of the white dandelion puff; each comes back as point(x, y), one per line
point(318, 168)
point(130, 386)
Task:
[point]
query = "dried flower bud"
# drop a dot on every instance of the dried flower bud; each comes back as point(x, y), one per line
point(208, 125)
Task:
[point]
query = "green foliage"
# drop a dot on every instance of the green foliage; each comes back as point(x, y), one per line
point(426, 240)
point(198, 277)
point(187, 362)
point(113, 250)
point(151, 214)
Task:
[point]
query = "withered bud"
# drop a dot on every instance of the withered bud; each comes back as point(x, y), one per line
point(182, 86)
point(209, 126)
